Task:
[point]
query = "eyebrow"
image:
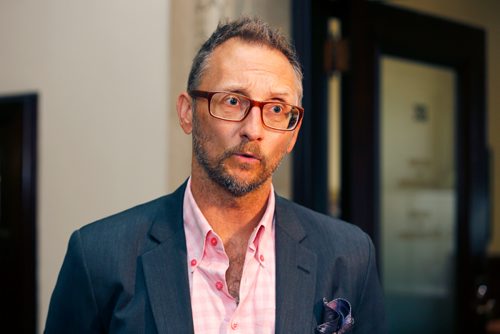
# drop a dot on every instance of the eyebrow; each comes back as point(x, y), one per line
point(279, 96)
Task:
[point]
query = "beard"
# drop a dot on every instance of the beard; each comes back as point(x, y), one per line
point(217, 170)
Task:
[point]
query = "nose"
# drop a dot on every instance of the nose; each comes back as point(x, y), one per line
point(252, 127)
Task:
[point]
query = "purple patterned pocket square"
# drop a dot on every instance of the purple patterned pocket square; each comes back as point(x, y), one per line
point(337, 318)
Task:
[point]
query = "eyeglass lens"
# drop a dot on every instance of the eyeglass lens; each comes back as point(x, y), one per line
point(234, 107)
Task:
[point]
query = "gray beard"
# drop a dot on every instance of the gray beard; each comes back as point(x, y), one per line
point(217, 173)
point(216, 169)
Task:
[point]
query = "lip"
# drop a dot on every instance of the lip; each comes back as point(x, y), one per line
point(248, 156)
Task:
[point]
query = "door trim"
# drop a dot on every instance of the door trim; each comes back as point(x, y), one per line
point(23, 317)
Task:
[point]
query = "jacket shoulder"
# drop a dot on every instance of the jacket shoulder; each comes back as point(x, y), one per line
point(133, 218)
point(312, 220)
point(136, 221)
point(326, 233)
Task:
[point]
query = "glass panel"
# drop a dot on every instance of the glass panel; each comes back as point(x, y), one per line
point(417, 195)
point(334, 131)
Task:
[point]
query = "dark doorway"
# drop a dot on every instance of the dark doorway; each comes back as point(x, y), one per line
point(18, 298)
point(373, 37)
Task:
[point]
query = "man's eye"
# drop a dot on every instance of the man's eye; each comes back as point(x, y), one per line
point(277, 109)
point(232, 101)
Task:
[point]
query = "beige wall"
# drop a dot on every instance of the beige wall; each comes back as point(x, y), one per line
point(101, 71)
point(485, 14)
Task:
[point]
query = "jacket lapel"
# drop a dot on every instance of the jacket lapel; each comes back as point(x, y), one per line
point(295, 273)
point(165, 270)
point(167, 284)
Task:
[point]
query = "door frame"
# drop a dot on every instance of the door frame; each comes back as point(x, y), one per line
point(22, 314)
point(372, 29)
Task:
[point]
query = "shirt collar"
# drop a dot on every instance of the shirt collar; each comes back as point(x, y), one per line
point(198, 230)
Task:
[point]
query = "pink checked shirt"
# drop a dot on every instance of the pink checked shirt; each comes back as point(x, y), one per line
point(214, 309)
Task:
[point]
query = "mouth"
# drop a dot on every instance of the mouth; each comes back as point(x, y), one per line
point(247, 156)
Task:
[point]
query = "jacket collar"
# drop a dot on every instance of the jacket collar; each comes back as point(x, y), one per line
point(168, 222)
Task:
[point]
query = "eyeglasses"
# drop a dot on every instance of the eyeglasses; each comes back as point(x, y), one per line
point(235, 107)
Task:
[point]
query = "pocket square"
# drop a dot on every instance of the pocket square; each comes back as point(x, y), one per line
point(337, 317)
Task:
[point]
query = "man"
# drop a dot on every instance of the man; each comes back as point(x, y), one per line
point(223, 253)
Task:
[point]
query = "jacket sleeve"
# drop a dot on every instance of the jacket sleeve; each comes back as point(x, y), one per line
point(73, 307)
point(370, 317)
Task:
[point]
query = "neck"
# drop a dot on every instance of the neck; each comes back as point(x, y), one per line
point(229, 216)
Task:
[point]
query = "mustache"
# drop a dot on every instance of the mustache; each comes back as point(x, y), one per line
point(251, 148)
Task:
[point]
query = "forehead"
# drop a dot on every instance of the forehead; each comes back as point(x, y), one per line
point(238, 62)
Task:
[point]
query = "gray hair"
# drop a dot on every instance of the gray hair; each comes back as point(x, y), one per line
point(252, 30)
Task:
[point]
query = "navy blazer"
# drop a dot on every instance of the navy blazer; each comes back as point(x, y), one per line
point(128, 273)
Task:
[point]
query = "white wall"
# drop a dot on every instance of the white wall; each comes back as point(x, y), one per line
point(101, 71)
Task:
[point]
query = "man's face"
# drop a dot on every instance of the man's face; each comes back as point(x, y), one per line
point(241, 156)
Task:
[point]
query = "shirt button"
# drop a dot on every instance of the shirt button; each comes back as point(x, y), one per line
point(193, 262)
point(261, 257)
point(219, 285)
point(234, 325)
point(213, 241)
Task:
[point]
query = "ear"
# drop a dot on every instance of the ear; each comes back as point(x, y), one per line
point(293, 140)
point(185, 112)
